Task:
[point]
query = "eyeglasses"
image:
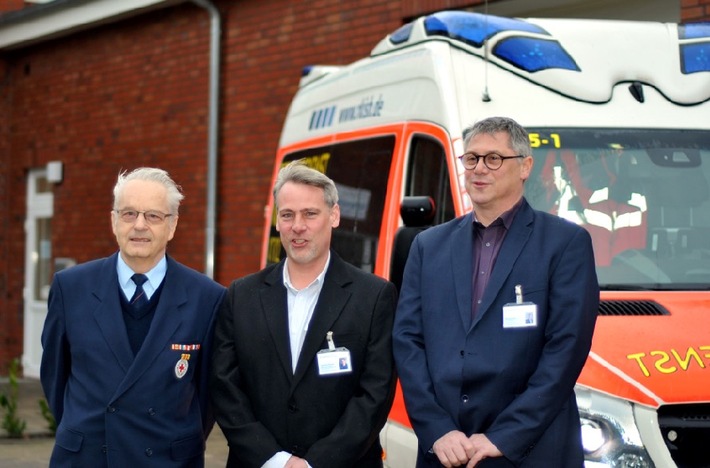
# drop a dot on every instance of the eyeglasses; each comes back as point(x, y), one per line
point(493, 161)
point(151, 217)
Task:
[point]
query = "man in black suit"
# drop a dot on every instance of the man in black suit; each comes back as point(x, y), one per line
point(280, 393)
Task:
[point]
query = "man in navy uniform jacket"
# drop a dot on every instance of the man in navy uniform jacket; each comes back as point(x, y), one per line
point(125, 365)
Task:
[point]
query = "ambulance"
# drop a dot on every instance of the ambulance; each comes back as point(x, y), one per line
point(618, 114)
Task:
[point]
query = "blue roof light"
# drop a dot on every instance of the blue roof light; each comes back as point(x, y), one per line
point(695, 57)
point(402, 34)
point(694, 31)
point(531, 54)
point(474, 28)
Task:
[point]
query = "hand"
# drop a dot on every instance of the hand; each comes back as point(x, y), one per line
point(481, 448)
point(453, 449)
point(296, 462)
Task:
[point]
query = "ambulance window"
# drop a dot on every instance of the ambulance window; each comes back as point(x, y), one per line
point(360, 170)
point(427, 175)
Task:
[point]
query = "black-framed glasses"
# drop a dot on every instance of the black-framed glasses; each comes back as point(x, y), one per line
point(151, 217)
point(493, 161)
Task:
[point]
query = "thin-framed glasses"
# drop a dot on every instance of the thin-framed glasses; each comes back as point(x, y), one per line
point(493, 161)
point(151, 217)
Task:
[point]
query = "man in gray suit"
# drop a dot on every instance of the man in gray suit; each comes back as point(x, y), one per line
point(303, 373)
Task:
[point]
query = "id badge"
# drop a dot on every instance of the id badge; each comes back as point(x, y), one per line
point(334, 360)
point(520, 314)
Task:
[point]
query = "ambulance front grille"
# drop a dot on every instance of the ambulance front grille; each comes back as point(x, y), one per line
point(686, 432)
point(631, 308)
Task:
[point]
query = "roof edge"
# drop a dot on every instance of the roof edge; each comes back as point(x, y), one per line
point(42, 22)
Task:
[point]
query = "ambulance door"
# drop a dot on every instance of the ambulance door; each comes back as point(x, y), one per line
point(428, 169)
point(428, 175)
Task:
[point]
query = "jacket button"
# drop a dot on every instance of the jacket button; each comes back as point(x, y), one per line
point(104, 449)
point(149, 452)
point(111, 409)
point(151, 411)
point(464, 398)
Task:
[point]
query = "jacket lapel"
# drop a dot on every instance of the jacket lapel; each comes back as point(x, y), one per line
point(166, 320)
point(108, 314)
point(461, 246)
point(275, 309)
point(331, 302)
point(513, 245)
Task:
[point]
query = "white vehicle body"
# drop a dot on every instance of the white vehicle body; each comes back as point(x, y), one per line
point(619, 118)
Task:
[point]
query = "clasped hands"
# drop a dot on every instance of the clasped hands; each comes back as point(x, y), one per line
point(455, 449)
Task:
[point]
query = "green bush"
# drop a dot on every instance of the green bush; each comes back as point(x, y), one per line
point(47, 415)
point(14, 426)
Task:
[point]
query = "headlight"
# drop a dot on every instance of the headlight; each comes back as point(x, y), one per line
point(610, 438)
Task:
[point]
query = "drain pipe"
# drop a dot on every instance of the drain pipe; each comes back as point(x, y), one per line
point(212, 141)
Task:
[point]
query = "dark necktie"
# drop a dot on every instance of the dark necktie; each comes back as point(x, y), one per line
point(139, 298)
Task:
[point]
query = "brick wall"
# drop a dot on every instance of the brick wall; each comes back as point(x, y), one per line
point(123, 96)
point(12, 5)
point(136, 93)
point(117, 97)
point(9, 323)
point(694, 10)
point(265, 48)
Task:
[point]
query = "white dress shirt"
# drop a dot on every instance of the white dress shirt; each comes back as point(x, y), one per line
point(301, 304)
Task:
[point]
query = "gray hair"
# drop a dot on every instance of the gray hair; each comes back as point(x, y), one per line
point(299, 173)
point(152, 174)
point(519, 140)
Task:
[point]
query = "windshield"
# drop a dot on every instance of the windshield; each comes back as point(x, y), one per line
point(642, 194)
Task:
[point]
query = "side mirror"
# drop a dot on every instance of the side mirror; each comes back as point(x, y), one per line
point(417, 211)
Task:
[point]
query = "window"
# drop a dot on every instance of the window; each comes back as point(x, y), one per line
point(428, 175)
point(360, 170)
point(643, 195)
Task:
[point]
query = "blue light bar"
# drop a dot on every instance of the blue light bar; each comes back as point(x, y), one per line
point(474, 28)
point(694, 31)
point(402, 34)
point(695, 58)
point(531, 54)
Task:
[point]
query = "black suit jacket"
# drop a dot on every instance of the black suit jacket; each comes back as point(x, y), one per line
point(263, 407)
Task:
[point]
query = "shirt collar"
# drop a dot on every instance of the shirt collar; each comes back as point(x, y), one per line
point(506, 217)
point(319, 278)
point(155, 275)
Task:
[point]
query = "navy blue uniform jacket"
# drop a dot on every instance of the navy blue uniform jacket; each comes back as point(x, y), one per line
point(516, 385)
point(114, 410)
